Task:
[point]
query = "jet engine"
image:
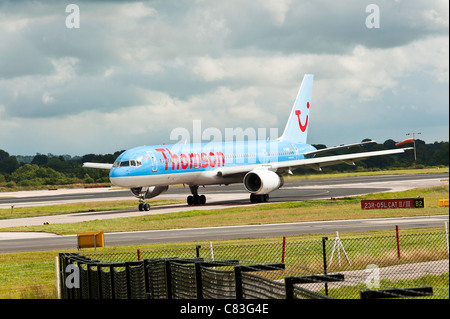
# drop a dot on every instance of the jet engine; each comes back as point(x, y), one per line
point(262, 181)
point(148, 192)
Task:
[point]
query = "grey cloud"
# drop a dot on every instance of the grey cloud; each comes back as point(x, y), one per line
point(74, 98)
point(333, 27)
point(128, 52)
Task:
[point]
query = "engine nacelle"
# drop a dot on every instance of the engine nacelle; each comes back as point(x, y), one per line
point(149, 192)
point(262, 181)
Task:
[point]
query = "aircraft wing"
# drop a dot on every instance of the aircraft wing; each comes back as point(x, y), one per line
point(315, 163)
point(334, 148)
point(97, 165)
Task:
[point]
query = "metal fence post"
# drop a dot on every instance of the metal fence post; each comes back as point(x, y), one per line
point(113, 289)
point(147, 279)
point(446, 236)
point(324, 252)
point(198, 280)
point(238, 282)
point(127, 272)
point(62, 277)
point(283, 250)
point(168, 279)
point(289, 286)
point(398, 241)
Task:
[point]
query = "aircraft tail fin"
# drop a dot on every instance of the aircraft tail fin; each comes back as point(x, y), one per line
point(296, 129)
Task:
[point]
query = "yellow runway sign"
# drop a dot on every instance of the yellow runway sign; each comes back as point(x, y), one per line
point(91, 239)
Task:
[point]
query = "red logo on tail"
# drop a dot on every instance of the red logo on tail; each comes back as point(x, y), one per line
point(302, 127)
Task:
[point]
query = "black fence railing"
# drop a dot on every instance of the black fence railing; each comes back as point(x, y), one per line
point(393, 266)
point(172, 279)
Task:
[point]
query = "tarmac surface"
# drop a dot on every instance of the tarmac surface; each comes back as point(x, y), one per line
point(218, 197)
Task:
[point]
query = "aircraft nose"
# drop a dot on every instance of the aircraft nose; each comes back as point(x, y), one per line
point(116, 172)
point(112, 172)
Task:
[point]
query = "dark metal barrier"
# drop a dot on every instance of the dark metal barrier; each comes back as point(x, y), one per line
point(312, 269)
point(171, 278)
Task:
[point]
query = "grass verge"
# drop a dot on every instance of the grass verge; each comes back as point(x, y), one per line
point(95, 206)
point(32, 275)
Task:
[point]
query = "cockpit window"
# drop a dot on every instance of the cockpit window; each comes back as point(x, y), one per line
point(134, 163)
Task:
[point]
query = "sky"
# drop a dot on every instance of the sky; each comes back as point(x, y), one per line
point(111, 75)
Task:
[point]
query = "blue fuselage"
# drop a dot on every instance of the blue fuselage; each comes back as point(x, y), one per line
point(198, 164)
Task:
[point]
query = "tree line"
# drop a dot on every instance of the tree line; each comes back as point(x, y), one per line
point(428, 155)
point(40, 169)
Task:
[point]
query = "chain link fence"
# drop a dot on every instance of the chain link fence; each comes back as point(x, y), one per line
point(393, 266)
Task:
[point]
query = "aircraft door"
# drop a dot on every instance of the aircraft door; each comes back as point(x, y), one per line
point(153, 161)
point(296, 151)
point(265, 156)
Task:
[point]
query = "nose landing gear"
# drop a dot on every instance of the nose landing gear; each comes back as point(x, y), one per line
point(141, 194)
point(195, 199)
point(144, 206)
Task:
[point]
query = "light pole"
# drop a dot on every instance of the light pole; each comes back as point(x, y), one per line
point(414, 140)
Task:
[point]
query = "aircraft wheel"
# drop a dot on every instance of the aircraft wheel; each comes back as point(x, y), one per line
point(146, 207)
point(202, 199)
point(259, 198)
point(141, 207)
point(197, 200)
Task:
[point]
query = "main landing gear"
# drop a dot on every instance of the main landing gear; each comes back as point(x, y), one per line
point(254, 198)
point(195, 199)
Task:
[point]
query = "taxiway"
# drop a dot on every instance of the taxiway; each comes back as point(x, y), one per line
point(217, 198)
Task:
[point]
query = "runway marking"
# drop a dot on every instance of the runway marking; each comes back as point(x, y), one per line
point(25, 235)
point(406, 221)
point(310, 224)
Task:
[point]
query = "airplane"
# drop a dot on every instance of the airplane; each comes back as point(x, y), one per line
point(260, 165)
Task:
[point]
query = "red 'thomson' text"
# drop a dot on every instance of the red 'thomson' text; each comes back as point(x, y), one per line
point(191, 160)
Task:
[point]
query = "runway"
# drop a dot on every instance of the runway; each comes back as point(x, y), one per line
point(307, 190)
point(54, 242)
point(218, 198)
